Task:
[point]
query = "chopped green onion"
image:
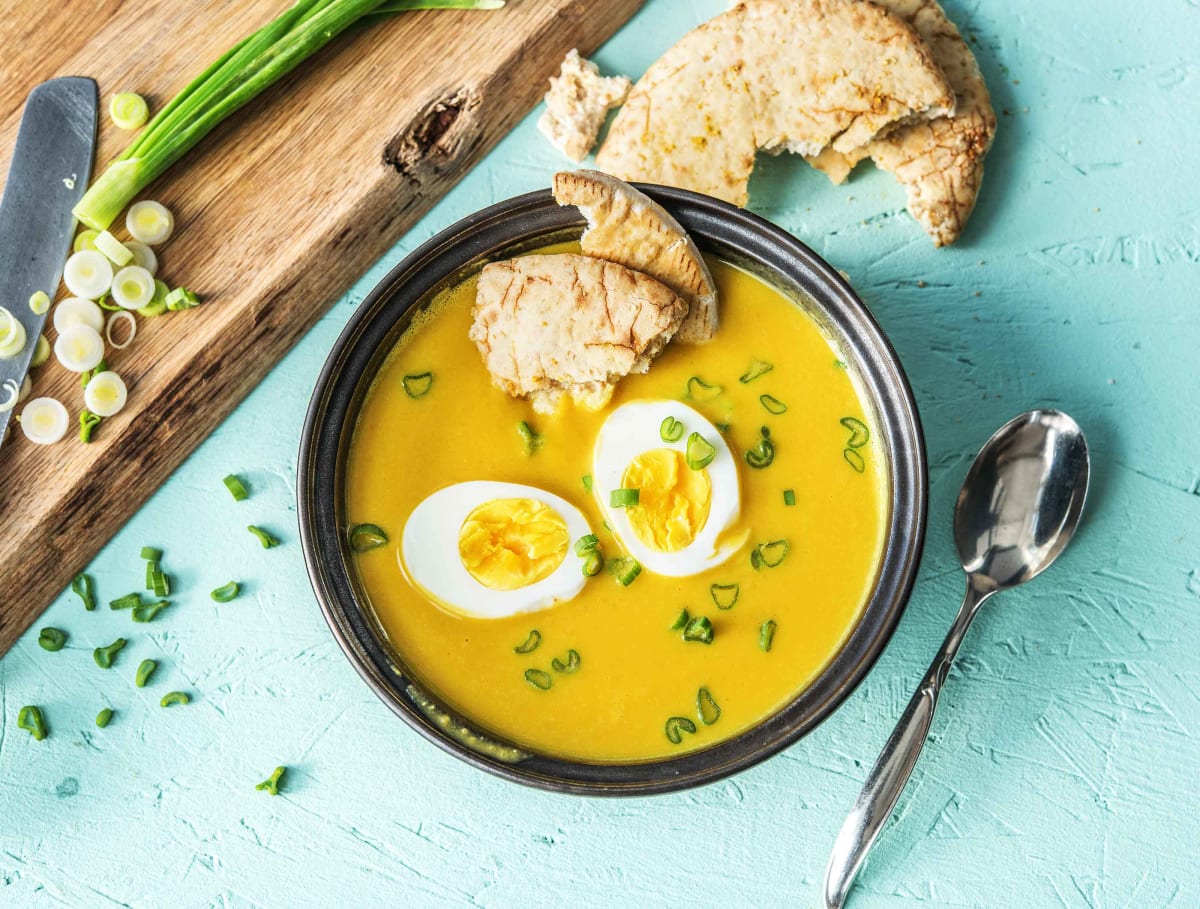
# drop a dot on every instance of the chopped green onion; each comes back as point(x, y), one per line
point(104, 717)
point(530, 644)
point(699, 390)
point(149, 222)
point(174, 697)
point(81, 586)
point(860, 435)
point(39, 302)
point(365, 537)
point(592, 563)
point(758, 369)
point(723, 428)
point(670, 430)
point(52, 639)
point(148, 612)
point(571, 665)
point(151, 569)
point(114, 250)
point(150, 554)
point(126, 602)
point(677, 726)
point(104, 656)
point(180, 298)
point(681, 620)
point(417, 385)
point(31, 720)
point(161, 585)
point(586, 544)
point(264, 537)
point(271, 783)
point(587, 482)
point(700, 452)
point(237, 487)
point(725, 596)
point(769, 555)
point(104, 302)
point(772, 404)
point(766, 635)
point(789, 497)
point(128, 110)
point(624, 498)
point(530, 438)
point(41, 353)
point(85, 377)
point(855, 459)
point(158, 300)
point(226, 592)
point(699, 629)
point(144, 671)
point(88, 422)
point(85, 239)
point(625, 569)
point(762, 454)
point(539, 679)
point(840, 364)
point(707, 708)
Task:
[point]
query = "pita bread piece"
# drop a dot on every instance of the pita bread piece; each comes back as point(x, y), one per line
point(794, 75)
point(940, 162)
point(577, 103)
point(628, 227)
point(549, 324)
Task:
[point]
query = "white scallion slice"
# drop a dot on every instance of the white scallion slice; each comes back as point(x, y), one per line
point(88, 274)
point(79, 348)
point(143, 256)
point(105, 393)
point(116, 317)
point(13, 395)
point(44, 421)
point(113, 248)
point(39, 302)
point(77, 311)
point(85, 239)
point(128, 110)
point(149, 222)
point(158, 303)
point(41, 353)
point(26, 384)
point(12, 335)
point(132, 287)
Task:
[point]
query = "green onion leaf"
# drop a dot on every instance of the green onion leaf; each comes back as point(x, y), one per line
point(147, 612)
point(531, 643)
point(592, 564)
point(707, 708)
point(762, 454)
point(758, 369)
point(531, 439)
point(103, 717)
point(104, 656)
point(789, 497)
point(624, 498)
point(88, 422)
point(681, 620)
point(271, 783)
point(677, 726)
point(699, 390)
point(855, 460)
point(625, 569)
point(539, 679)
point(700, 452)
point(365, 537)
point(769, 555)
point(859, 434)
point(126, 602)
point(150, 554)
point(161, 585)
point(171, 698)
point(670, 430)
point(772, 404)
point(725, 596)
point(571, 665)
point(31, 720)
point(587, 482)
point(81, 586)
point(699, 629)
point(85, 377)
point(417, 385)
point(225, 592)
point(151, 569)
point(144, 671)
point(264, 537)
point(766, 635)
point(586, 544)
point(236, 486)
point(52, 639)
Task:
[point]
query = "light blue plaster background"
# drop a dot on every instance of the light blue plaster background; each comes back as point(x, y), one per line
point(1065, 763)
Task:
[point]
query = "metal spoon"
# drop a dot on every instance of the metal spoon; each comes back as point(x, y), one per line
point(1018, 508)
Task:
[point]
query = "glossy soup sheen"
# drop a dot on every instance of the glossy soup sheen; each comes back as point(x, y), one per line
point(634, 672)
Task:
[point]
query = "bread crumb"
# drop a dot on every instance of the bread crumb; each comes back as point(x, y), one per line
point(577, 103)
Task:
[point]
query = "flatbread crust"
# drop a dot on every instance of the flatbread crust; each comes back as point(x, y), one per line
point(939, 162)
point(628, 227)
point(553, 324)
point(578, 101)
point(795, 75)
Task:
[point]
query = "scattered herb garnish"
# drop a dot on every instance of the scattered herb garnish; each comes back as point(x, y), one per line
point(758, 369)
point(571, 665)
point(171, 698)
point(365, 537)
point(128, 601)
point(789, 497)
point(762, 454)
point(855, 460)
point(88, 422)
point(586, 544)
point(699, 390)
point(150, 554)
point(226, 592)
point(103, 717)
point(592, 563)
point(148, 611)
point(160, 585)
point(417, 385)
point(725, 595)
point(700, 452)
point(772, 404)
point(237, 487)
point(530, 644)
point(766, 635)
point(681, 620)
point(860, 435)
point(52, 639)
point(144, 671)
point(271, 783)
point(31, 720)
point(624, 498)
point(539, 679)
point(677, 726)
point(104, 656)
point(102, 366)
point(699, 629)
point(625, 569)
point(587, 482)
point(531, 439)
point(707, 708)
point(670, 430)
point(769, 555)
point(264, 537)
point(81, 586)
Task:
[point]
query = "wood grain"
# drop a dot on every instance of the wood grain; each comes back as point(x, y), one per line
point(277, 213)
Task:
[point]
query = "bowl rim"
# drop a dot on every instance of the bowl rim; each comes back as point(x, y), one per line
point(718, 227)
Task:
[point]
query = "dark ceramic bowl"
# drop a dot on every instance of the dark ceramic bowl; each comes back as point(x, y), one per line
point(502, 231)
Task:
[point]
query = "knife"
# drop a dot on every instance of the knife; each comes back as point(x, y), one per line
point(50, 170)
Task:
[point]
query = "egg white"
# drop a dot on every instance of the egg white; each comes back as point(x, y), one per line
point(633, 429)
point(429, 550)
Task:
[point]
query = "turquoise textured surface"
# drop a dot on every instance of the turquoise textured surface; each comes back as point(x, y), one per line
point(1064, 763)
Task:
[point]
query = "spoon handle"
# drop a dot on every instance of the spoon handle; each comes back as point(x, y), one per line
point(890, 774)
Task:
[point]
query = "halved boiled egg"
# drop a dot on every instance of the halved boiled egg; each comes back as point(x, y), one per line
point(491, 550)
point(688, 502)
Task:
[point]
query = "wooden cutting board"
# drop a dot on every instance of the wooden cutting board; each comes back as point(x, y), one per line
point(277, 213)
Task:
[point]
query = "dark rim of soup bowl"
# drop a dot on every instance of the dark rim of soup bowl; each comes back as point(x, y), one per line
point(503, 230)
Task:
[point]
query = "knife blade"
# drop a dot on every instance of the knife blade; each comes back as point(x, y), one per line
point(50, 170)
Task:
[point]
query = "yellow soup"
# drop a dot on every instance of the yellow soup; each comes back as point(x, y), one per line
point(811, 526)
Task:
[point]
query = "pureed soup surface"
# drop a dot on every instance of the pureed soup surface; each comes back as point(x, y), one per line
point(634, 671)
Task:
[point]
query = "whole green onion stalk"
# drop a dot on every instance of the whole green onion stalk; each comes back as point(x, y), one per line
point(241, 74)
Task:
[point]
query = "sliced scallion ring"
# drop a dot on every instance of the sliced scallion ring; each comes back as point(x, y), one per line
point(149, 222)
point(133, 288)
point(707, 708)
point(77, 311)
point(699, 390)
point(766, 635)
point(12, 335)
point(79, 348)
point(26, 385)
point(725, 596)
point(530, 644)
point(158, 303)
point(566, 668)
point(681, 620)
point(758, 369)
point(88, 422)
point(365, 537)
point(44, 421)
point(855, 459)
point(417, 385)
point(763, 454)
point(181, 298)
point(39, 302)
point(539, 679)
point(625, 569)
point(671, 430)
point(237, 488)
point(105, 394)
point(529, 437)
point(769, 555)
point(772, 404)
point(52, 639)
point(586, 544)
point(624, 498)
point(128, 110)
point(677, 726)
point(700, 452)
point(226, 592)
point(143, 256)
point(121, 318)
point(41, 353)
point(113, 248)
point(789, 497)
point(88, 274)
point(13, 391)
point(85, 239)
point(699, 629)
point(592, 563)
point(860, 435)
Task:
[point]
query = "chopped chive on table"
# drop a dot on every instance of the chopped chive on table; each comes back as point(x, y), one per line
point(1065, 757)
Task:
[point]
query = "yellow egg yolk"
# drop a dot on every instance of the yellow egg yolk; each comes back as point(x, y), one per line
point(673, 499)
point(506, 544)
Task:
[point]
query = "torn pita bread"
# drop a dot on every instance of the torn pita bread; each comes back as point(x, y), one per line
point(794, 75)
point(549, 324)
point(939, 163)
point(628, 227)
point(577, 103)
